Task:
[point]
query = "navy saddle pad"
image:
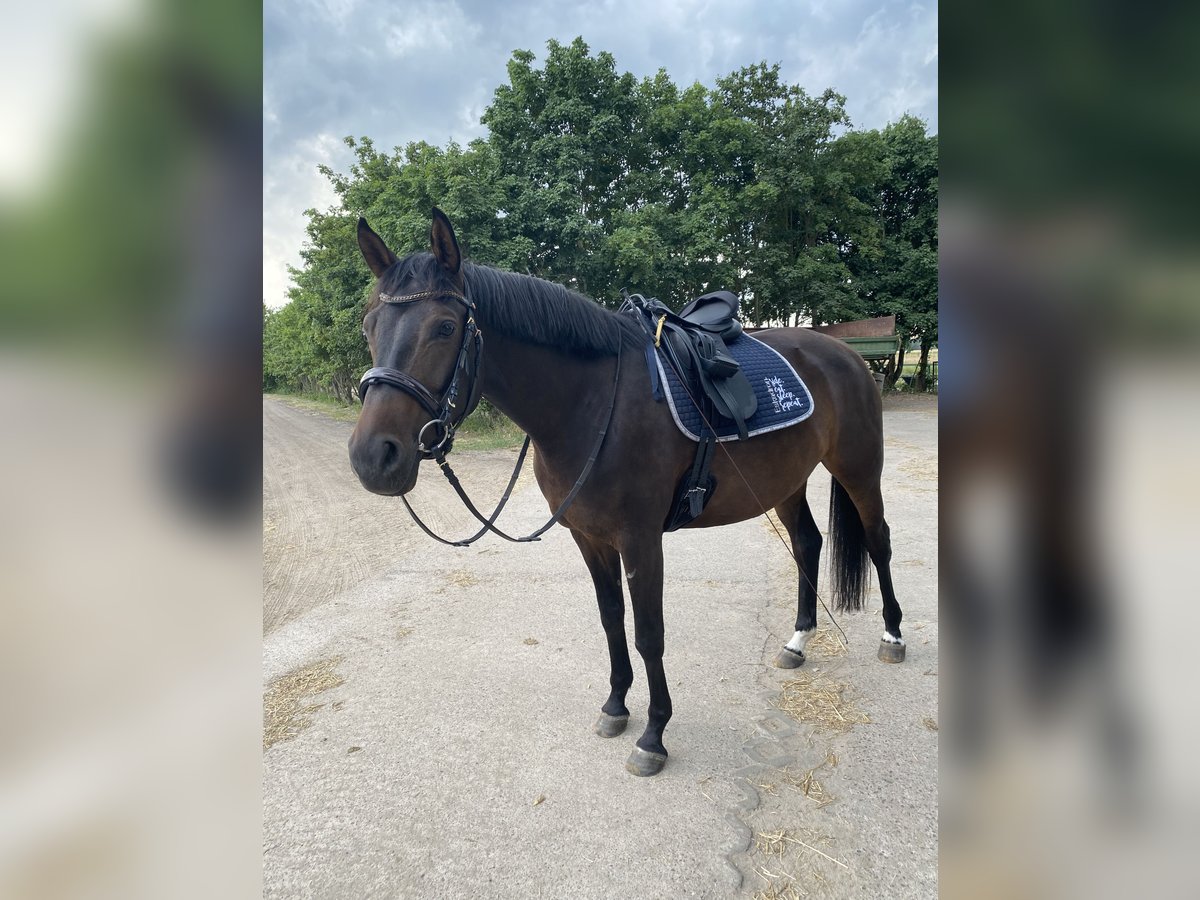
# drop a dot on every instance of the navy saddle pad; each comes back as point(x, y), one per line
point(783, 399)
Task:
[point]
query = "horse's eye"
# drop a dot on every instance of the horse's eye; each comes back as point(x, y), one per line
point(446, 329)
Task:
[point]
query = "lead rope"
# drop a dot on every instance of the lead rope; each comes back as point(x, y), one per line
point(786, 544)
point(489, 522)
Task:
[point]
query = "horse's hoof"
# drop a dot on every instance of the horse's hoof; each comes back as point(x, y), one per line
point(643, 763)
point(610, 726)
point(891, 653)
point(787, 658)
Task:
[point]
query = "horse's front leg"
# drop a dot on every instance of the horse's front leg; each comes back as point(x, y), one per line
point(644, 569)
point(604, 563)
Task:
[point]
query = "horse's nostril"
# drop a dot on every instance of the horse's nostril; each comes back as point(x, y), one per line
point(375, 456)
point(388, 453)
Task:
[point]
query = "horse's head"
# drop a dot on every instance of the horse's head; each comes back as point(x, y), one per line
point(425, 351)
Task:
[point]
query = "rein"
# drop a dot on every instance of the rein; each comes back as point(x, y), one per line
point(446, 423)
point(489, 522)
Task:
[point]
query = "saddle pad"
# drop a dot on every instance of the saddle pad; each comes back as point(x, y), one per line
point(783, 399)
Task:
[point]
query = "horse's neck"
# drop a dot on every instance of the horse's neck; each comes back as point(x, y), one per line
point(546, 393)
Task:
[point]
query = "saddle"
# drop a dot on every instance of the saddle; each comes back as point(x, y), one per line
point(715, 313)
point(693, 343)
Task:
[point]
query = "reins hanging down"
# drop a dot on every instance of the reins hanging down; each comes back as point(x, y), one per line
point(466, 542)
point(489, 522)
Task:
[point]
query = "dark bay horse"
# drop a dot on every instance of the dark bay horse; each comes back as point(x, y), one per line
point(555, 362)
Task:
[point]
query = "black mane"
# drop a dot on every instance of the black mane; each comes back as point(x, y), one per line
point(524, 307)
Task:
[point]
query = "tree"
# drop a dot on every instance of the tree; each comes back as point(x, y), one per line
point(899, 275)
point(567, 140)
point(602, 182)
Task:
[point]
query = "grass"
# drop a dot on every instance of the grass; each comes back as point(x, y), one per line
point(910, 369)
point(485, 429)
point(321, 403)
point(488, 429)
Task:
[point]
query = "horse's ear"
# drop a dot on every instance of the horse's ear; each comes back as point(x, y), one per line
point(444, 244)
point(374, 250)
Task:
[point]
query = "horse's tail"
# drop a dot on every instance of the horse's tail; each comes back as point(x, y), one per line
point(849, 562)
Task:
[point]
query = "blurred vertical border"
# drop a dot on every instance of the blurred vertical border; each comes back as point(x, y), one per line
point(130, 369)
point(1070, 417)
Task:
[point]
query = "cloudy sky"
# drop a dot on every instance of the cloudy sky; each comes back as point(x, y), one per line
point(409, 70)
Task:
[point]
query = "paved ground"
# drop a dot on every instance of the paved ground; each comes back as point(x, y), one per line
point(456, 756)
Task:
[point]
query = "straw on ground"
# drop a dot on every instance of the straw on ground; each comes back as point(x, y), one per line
point(284, 712)
point(803, 781)
point(825, 643)
point(795, 862)
point(813, 699)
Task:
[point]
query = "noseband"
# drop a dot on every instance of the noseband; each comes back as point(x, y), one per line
point(445, 413)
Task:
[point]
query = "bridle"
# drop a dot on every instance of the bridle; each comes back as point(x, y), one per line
point(446, 415)
point(469, 364)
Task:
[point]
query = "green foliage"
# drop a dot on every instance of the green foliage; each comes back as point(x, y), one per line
point(898, 271)
point(602, 182)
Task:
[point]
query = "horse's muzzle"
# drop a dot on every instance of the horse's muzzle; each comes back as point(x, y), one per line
point(381, 465)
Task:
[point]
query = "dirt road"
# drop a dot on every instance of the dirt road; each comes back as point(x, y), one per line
point(430, 708)
point(322, 533)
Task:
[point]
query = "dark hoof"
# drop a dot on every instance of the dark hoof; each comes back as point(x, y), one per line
point(643, 763)
point(610, 726)
point(891, 653)
point(788, 658)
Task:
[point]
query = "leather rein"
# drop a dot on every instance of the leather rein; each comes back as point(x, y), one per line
point(447, 417)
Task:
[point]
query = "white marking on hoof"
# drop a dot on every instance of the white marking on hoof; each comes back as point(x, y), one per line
point(891, 640)
point(799, 640)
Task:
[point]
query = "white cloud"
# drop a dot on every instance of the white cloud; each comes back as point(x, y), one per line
point(403, 38)
point(292, 184)
point(885, 68)
point(430, 28)
point(335, 12)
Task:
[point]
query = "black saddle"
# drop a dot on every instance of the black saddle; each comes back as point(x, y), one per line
point(693, 343)
point(715, 313)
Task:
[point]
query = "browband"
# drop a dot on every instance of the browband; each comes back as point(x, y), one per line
point(424, 295)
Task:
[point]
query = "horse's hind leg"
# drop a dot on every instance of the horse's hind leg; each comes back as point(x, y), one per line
point(868, 501)
point(604, 564)
point(806, 546)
